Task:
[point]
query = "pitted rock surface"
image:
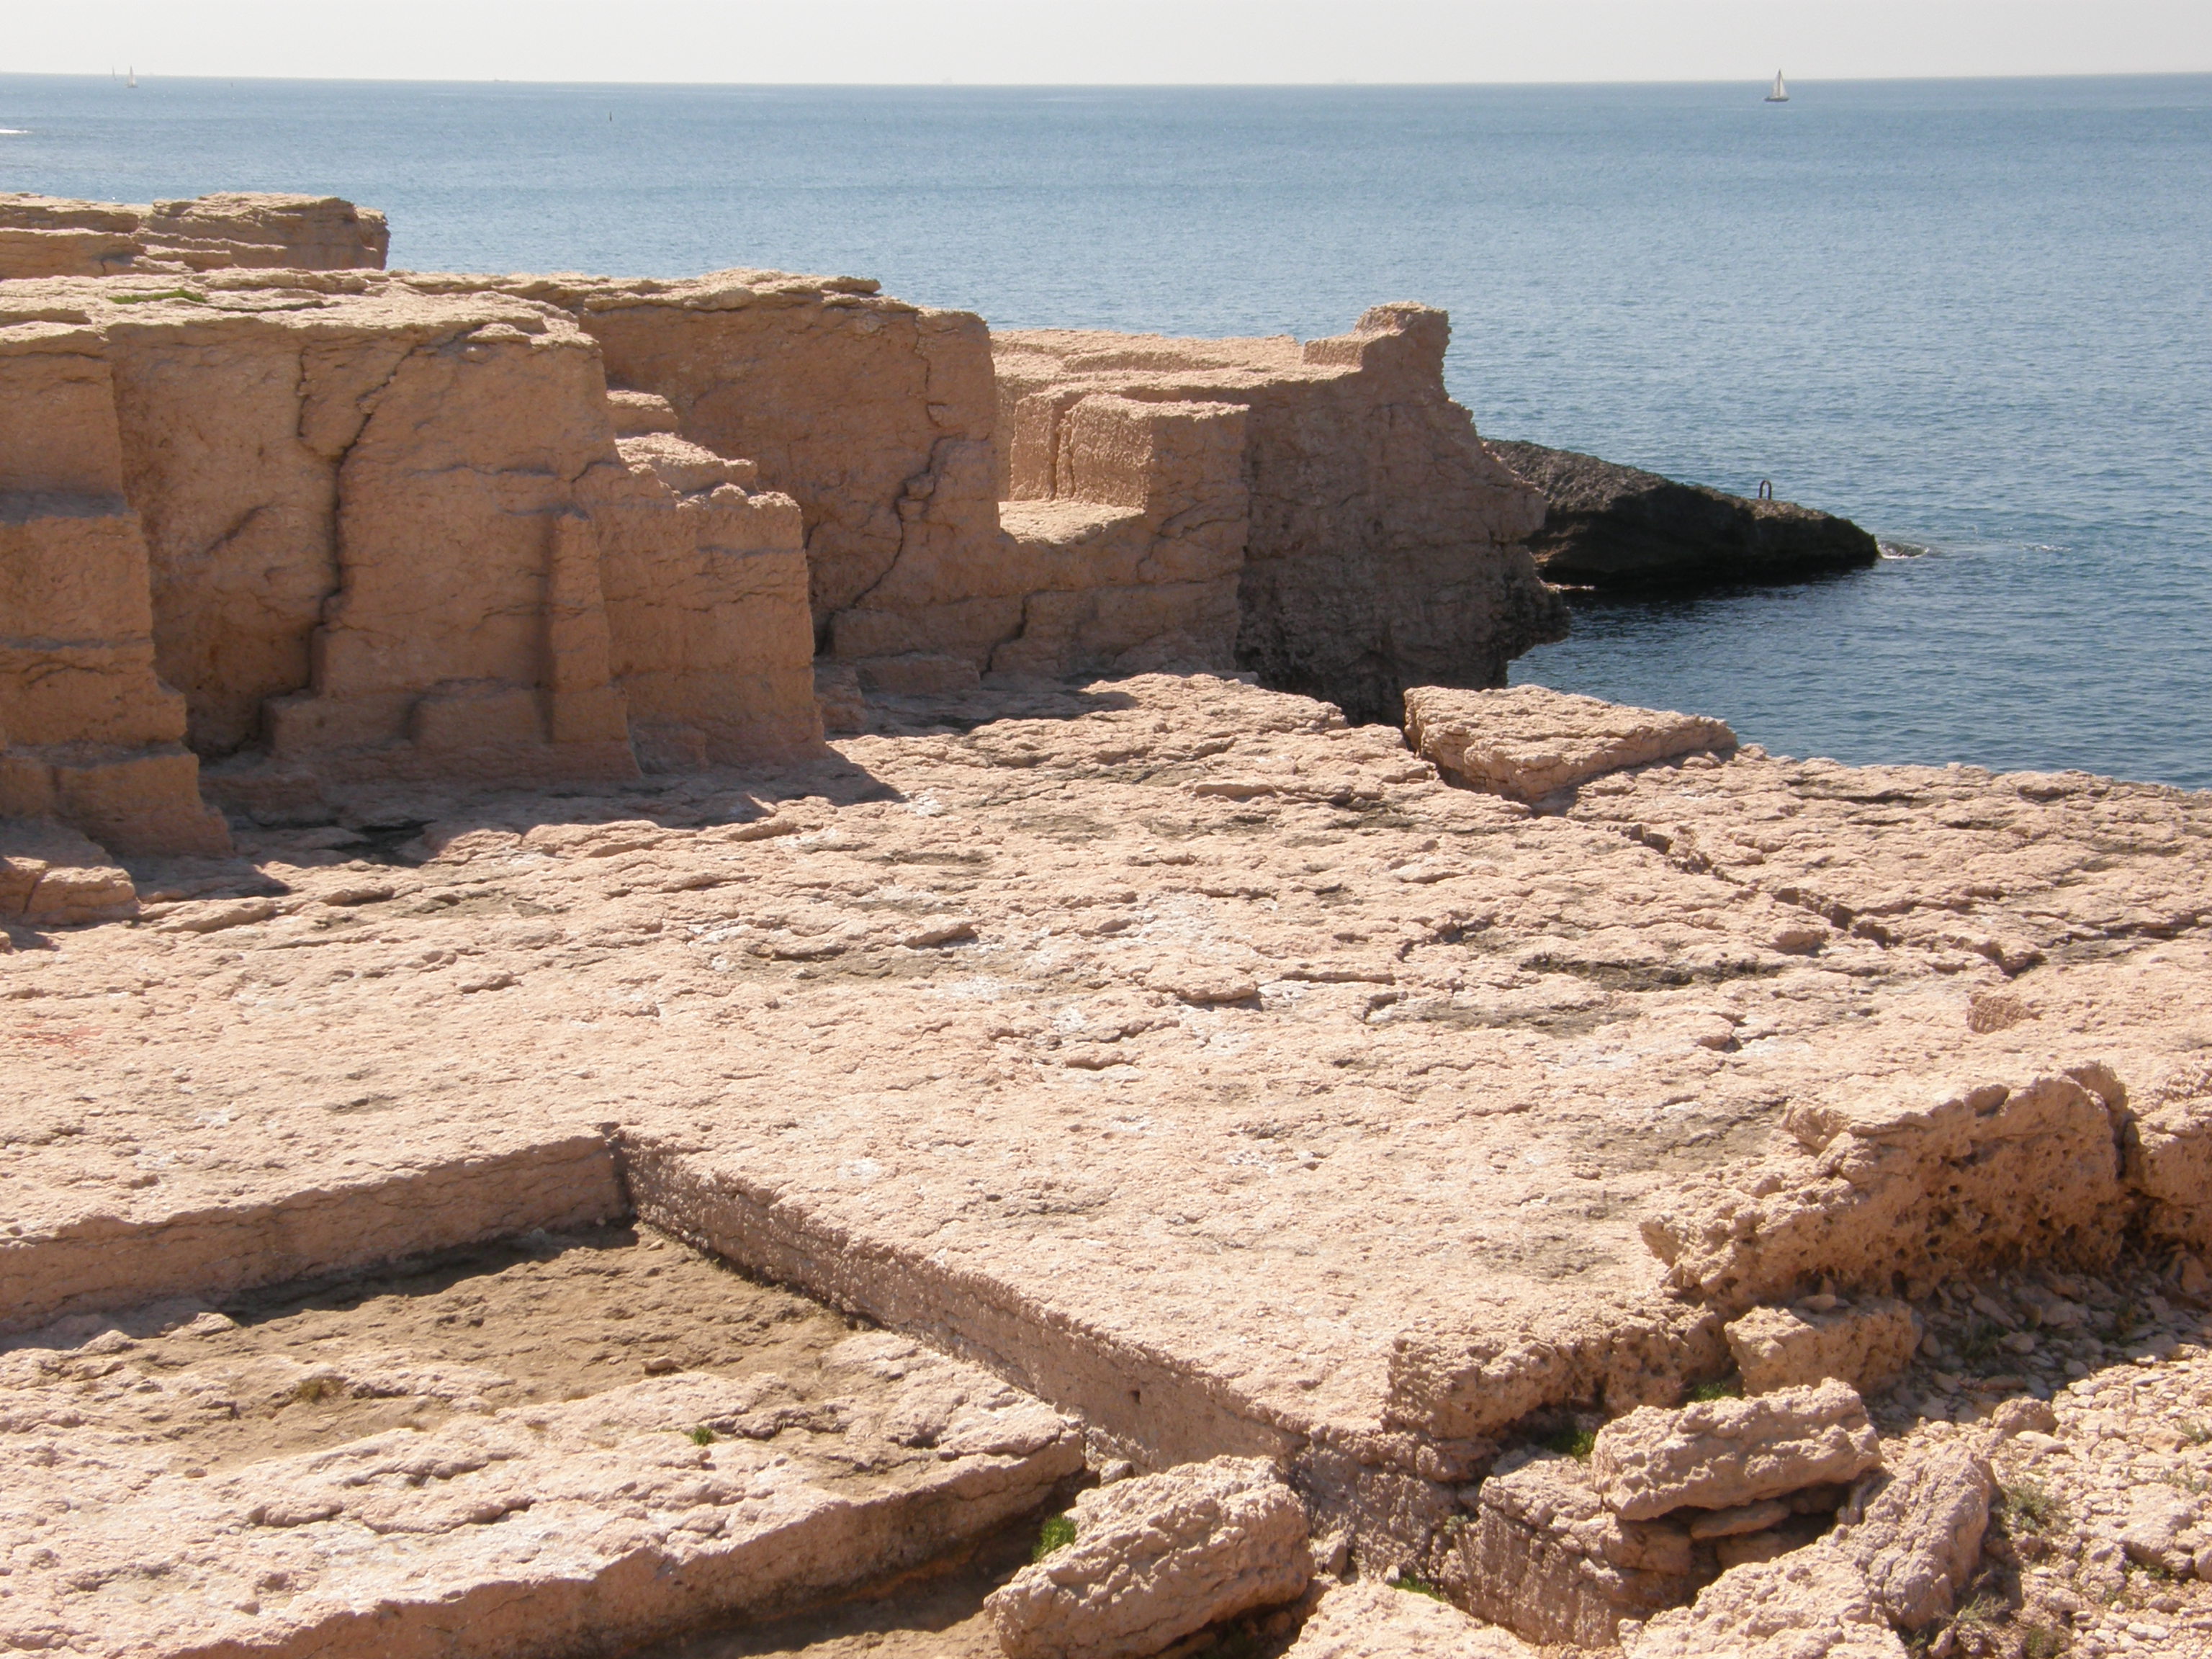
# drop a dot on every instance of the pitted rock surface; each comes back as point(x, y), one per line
point(1546, 1558)
point(381, 1501)
point(1717, 1454)
point(1372, 1620)
point(1156, 1558)
point(1529, 743)
point(1918, 1534)
point(1867, 1344)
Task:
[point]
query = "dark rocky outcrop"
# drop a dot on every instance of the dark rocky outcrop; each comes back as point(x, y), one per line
point(1615, 527)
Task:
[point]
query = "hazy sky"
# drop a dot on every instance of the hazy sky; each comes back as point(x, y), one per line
point(1094, 42)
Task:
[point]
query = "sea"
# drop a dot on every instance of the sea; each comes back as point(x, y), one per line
point(1975, 316)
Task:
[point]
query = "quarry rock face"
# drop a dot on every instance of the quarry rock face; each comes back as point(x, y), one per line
point(1610, 526)
point(50, 236)
point(1383, 542)
point(1156, 1558)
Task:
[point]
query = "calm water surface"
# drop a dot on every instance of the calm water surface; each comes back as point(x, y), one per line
point(1973, 315)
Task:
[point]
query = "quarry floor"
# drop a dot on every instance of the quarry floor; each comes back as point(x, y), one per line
point(1164, 1047)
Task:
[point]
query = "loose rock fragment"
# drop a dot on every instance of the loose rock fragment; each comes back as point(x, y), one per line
point(1527, 742)
point(1546, 1558)
point(1156, 1558)
point(1867, 1344)
point(1809, 1604)
point(1920, 1535)
point(1719, 1454)
point(1372, 1620)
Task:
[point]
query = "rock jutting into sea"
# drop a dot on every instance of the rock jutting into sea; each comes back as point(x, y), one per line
point(519, 795)
point(1611, 526)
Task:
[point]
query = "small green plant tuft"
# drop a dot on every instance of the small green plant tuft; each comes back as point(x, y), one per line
point(1057, 1534)
point(702, 1436)
point(144, 297)
point(1573, 1441)
point(1981, 1342)
point(2042, 1642)
point(1718, 1388)
point(1413, 1586)
point(2195, 1431)
point(2030, 1506)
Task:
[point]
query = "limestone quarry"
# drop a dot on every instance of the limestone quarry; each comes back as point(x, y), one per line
point(722, 967)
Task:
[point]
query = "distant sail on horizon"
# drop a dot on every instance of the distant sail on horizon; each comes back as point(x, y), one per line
point(1781, 94)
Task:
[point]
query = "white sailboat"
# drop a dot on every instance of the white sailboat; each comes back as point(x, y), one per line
point(1781, 94)
point(133, 81)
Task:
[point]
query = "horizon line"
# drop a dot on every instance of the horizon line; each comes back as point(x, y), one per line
point(1105, 85)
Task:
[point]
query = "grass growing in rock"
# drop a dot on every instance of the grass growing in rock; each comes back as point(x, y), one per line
point(1573, 1441)
point(1057, 1534)
point(2030, 1506)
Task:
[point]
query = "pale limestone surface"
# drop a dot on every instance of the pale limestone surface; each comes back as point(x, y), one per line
point(1717, 1454)
point(52, 236)
point(1155, 1559)
point(1374, 1620)
point(500, 1531)
point(919, 1027)
point(1867, 1344)
point(1529, 743)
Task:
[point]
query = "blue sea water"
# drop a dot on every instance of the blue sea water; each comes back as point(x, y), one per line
point(1972, 315)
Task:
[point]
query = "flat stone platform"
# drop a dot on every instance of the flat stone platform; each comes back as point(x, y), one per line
point(1206, 1067)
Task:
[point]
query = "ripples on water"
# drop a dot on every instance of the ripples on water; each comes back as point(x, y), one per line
point(1972, 315)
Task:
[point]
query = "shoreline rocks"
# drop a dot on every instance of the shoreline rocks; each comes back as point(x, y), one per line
point(1617, 527)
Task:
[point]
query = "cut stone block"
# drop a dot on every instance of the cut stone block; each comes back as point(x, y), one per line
point(1461, 1383)
point(1545, 1558)
point(1717, 1454)
point(1867, 1344)
point(1156, 1558)
point(1527, 742)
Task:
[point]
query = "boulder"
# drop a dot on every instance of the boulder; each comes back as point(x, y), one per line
point(1546, 1558)
point(1918, 1537)
point(1810, 1604)
point(1717, 1454)
point(1867, 1344)
point(2158, 1519)
point(1528, 742)
point(1612, 526)
point(52, 877)
point(1372, 1620)
point(1156, 1558)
